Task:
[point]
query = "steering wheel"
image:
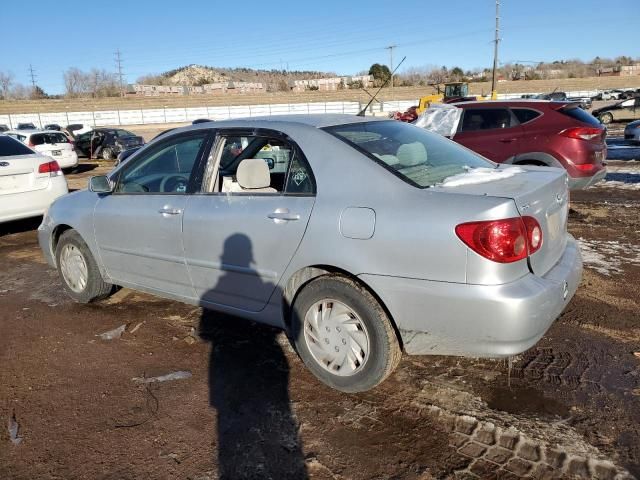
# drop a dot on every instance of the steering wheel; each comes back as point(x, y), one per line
point(174, 183)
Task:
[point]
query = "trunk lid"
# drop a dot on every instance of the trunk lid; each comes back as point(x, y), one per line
point(19, 174)
point(538, 192)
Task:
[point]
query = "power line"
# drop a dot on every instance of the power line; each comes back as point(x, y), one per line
point(120, 74)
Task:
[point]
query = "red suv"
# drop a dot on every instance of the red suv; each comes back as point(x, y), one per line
point(536, 132)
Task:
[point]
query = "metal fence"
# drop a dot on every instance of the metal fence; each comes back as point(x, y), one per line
point(180, 115)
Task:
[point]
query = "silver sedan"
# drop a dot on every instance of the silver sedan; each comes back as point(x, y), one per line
point(361, 238)
point(632, 132)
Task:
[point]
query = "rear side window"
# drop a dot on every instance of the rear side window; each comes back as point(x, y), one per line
point(486, 119)
point(580, 115)
point(10, 146)
point(525, 115)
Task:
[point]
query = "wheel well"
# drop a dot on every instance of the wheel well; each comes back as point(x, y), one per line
point(305, 275)
point(531, 162)
point(55, 236)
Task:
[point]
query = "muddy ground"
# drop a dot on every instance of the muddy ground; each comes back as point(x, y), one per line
point(569, 407)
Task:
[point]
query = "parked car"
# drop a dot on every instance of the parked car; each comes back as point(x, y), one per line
point(3, 127)
point(26, 126)
point(609, 95)
point(536, 132)
point(632, 132)
point(585, 102)
point(360, 237)
point(50, 143)
point(107, 143)
point(624, 110)
point(630, 93)
point(53, 126)
point(29, 181)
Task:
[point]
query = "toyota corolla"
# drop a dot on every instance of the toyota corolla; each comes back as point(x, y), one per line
point(362, 238)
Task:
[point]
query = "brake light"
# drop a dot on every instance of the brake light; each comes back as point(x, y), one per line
point(52, 168)
point(582, 133)
point(585, 167)
point(502, 241)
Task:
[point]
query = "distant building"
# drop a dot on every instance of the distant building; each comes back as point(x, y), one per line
point(630, 70)
point(330, 84)
point(220, 88)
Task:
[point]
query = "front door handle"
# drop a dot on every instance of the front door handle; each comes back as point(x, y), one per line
point(170, 211)
point(507, 140)
point(281, 215)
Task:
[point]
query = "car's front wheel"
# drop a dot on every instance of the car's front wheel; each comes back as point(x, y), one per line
point(605, 118)
point(343, 335)
point(78, 269)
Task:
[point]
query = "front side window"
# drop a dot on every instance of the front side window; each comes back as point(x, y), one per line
point(163, 169)
point(421, 158)
point(486, 119)
point(260, 164)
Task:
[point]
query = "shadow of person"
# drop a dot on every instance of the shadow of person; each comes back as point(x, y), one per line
point(257, 434)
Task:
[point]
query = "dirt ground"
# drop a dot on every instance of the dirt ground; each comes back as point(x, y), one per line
point(247, 407)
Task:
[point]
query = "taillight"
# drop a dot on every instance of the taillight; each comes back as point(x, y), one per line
point(52, 168)
point(585, 167)
point(502, 241)
point(583, 133)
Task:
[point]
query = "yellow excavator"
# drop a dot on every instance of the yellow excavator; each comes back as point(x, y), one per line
point(453, 92)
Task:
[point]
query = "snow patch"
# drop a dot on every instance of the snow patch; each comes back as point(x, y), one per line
point(475, 176)
point(608, 257)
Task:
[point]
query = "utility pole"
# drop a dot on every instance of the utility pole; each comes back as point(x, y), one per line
point(120, 74)
point(495, 50)
point(390, 48)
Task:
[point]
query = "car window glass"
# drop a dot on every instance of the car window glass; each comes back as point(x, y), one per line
point(421, 158)
point(485, 119)
point(37, 139)
point(123, 133)
point(627, 103)
point(163, 169)
point(286, 171)
point(525, 115)
point(10, 146)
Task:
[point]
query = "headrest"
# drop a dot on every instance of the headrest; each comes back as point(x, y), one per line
point(411, 154)
point(253, 173)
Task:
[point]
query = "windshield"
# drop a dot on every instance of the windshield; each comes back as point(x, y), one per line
point(10, 147)
point(422, 159)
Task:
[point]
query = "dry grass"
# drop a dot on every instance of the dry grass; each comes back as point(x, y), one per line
point(400, 93)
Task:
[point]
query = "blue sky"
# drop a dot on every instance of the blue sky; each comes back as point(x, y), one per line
point(329, 35)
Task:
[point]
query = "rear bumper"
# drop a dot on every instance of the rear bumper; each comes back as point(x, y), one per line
point(479, 320)
point(34, 203)
point(580, 183)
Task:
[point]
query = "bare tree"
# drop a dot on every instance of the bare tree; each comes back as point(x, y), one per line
point(6, 80)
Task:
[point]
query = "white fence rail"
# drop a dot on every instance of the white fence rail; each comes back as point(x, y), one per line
point(177, 115)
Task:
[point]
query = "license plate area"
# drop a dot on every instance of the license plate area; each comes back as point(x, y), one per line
point(56, 153)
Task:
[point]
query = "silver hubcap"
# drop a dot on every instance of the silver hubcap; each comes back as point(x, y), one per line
point(74, 268)
point(336, 337)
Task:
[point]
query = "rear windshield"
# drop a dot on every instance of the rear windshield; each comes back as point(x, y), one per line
point(579, 114)
point(10, 146)
point(48, 138)
point(421, 158)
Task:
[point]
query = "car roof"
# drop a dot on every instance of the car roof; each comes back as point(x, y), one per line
point(516, 102)
point(32, 131)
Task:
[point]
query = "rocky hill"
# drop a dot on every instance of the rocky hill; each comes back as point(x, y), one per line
point(192, 75)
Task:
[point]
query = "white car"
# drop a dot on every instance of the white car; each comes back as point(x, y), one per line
point(51, 143)
point(29, 181)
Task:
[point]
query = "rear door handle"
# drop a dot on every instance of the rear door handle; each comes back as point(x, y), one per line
point(170, 211)
point(507, 140)
point(281, 215)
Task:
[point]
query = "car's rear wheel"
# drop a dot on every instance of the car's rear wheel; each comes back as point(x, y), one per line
point(343, 335)
point(78, 269)
point(605, 118)
point(107, 154)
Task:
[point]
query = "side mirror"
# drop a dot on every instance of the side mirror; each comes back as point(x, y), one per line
point(271, 162)
point(100, 184)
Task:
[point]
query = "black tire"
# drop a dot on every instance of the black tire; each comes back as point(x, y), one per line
point(605, 118)
point(384, 348)
point(107, 154)
point(96, 288)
